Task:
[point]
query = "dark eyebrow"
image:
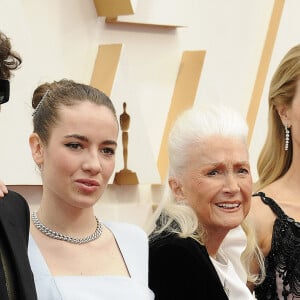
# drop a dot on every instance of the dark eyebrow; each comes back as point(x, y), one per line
point(85, 139)
point(110, 142)
point(77, 136)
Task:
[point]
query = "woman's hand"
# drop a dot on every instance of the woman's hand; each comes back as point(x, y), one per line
point(3, 189)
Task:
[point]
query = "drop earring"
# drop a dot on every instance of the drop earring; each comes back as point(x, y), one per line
point(287, 137)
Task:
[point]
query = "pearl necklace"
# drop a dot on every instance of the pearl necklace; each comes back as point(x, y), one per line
point(63, 237)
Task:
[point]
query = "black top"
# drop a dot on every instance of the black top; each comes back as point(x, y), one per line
point(16, 278)
point(283, 258)
point(180, 269)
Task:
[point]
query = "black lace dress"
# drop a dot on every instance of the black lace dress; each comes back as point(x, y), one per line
point(283, 261)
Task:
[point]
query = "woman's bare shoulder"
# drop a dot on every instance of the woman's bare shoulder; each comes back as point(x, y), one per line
point(260, 211)
point(262, 218)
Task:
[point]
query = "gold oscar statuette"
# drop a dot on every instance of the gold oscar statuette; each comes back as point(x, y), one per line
point(125, 176)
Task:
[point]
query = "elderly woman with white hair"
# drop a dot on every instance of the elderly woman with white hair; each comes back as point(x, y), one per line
point(211, 185)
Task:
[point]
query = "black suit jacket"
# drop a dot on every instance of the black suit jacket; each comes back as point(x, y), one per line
point(14, 231)
point(180, 269)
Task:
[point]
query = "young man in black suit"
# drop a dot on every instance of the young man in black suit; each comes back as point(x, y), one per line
point(16, 278)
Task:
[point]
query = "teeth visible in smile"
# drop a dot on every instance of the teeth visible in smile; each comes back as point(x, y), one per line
point(228, 205)
point(88, 184)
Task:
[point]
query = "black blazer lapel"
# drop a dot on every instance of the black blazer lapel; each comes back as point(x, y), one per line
point(14, 223)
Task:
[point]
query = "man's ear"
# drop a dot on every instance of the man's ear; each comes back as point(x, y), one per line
point(176, 188)
point(37, 148)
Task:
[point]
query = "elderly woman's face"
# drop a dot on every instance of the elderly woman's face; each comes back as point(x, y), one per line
point(217, 183)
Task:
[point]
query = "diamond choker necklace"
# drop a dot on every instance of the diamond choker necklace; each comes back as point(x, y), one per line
point(63, 237)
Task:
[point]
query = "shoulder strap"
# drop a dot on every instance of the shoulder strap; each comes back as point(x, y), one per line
point(271, 203)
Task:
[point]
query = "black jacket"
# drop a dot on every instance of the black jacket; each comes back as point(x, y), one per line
point(180, 269)
point(14, 231)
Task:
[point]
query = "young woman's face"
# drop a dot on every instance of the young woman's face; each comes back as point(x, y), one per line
point(217, 183)
point(80, 156)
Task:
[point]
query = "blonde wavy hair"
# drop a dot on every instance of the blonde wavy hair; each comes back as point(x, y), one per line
point(274, 161)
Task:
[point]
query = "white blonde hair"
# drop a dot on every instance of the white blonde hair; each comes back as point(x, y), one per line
point(196, 125)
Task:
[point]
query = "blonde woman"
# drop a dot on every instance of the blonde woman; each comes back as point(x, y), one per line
point(275, 208)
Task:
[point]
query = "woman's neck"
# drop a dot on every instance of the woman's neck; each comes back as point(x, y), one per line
point(213, 242)
point(67, 220)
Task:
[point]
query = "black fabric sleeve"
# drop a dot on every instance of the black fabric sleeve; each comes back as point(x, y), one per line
point(180, 269)
point(17, 209)
point(14, 228)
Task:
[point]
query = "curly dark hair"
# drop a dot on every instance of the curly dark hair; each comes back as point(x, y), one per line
point(9, 59)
